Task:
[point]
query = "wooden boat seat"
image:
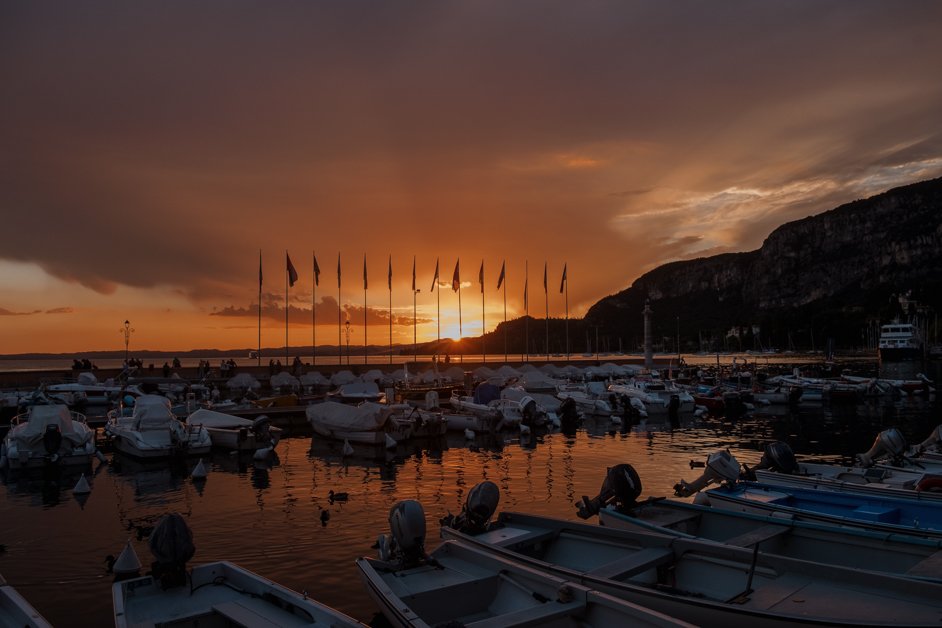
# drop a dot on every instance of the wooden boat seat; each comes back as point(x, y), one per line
point(533, 616)
point(252, 612)
point(930, 566)
point(634, 564)
point(754, 537)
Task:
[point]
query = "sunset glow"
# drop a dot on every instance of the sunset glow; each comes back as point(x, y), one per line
point(152, 150)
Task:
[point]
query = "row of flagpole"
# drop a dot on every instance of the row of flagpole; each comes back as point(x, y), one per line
point(291, 277)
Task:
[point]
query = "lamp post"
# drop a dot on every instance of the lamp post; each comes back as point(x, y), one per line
point(127, 330)
point(347, 326)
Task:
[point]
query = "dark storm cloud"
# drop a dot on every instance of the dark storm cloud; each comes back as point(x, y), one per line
point(163, 144)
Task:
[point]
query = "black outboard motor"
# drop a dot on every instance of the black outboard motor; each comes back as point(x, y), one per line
point(478, 509)
point(261, 427)
point(568, 416)
point(171, 544)
point(888, 443)
point(52, 440)
point(778, 457)
point(407, 528)
point(621, 488)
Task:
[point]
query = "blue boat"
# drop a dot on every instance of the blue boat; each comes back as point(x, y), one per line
point(882, 514)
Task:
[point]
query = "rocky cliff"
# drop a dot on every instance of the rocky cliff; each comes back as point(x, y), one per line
point(833, 274)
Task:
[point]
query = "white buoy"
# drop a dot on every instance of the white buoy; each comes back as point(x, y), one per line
point(128, 565)
point(262, 453)
point(82, 487)
point(469, 434)
point(199, 471)
point(348, 448)
point(390, 442)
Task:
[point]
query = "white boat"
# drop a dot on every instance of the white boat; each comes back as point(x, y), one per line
point(656, 395)
point(888, 481)
point(591, 399)
point(460, 585)
point(369, 423)
point(15, 611)
point(152, 431)
point(707, 583)
point(214, 594)
point(232, 432)
point(48, 434)
point(900, 342)
point(356, 392)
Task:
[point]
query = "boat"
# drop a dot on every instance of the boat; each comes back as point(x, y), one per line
point(369, 423)
point(656, 395)
point(899, 554)
point(461, 585)
point(836, 508)
point(213, 594)
point(708, 583)
point(16, 611)
point(356, 392)
point(48, 434)
point(900, 342)
point(232, 432)
point(152, 431)
point(886, 481)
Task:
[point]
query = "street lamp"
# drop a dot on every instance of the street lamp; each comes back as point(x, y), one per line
point(347, 325)
point(127, 330)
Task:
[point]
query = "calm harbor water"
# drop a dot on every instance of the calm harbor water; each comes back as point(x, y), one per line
point(268, 518)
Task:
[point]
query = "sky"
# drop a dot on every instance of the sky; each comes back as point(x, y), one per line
point(150, 152)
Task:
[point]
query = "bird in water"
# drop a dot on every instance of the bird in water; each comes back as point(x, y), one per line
point(337, 497)
point(325, 517)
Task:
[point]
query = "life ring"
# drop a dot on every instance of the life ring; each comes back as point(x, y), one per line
point(930, 483)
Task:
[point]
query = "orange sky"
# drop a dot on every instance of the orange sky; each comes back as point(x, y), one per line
point(150, 150)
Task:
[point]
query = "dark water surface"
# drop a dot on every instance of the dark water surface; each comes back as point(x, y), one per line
point(269, 519)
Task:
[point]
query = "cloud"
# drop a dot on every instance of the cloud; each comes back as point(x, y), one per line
point(60, 310)
point(326, 313)
point(6, 312)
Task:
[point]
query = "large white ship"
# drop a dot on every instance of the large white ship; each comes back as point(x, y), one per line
point(900, 342)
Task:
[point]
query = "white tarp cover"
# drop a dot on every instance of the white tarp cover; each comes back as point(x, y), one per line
point(342, 377)
point(508, 371)
point(243, 381)
point(366, 417)
point(549, 369)
point(372, 375)
point(314, 378)
point(483, 372)
point(87, 379)
point(547, 402)
point(428, 377)
point(454, 373)
point(283, 379)
point(537, 380)
point(359, 389)
point(527, 368)
point(211, 418)
point(42, 415)
point(152, 412)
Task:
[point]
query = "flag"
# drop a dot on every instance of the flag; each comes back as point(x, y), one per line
point(435, 279)
point(364, 272)
point(317, 272)
point(259, 271)
point(390, 272)
point(500, 280)
point(292, 273)
point(544, 277)
point(481, 277)
point(456, 278)
point(563, 281)
point(413, 273)
point(338, 270)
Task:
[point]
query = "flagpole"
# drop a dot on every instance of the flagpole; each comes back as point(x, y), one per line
point(365, 360)
point(314, 309)
point(526, 311)
point(259, 354)
point(339, 315)
point(546, 295)
point(566, 280)
point(460, 331)
point(483, 320)
point(390, 308)
point(505, 317)
point(286, 308)
point(415, 336)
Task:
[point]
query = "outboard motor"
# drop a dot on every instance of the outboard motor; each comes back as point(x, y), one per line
point(721, 466)
point(528, 410)
point(778, 457)
point(568, 416)
point(261, 427)
point(621, 488)
point(171, 544)
point(478, 509)
point(887, 443)
point(407, 526)
point(52, 439)
point(932, 441)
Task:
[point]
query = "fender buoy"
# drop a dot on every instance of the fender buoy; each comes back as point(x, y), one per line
point(931, 483)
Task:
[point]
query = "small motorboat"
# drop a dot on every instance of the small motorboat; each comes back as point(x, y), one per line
point(152, 431)
point(368, 423)
point(16, 611)
point(703, 582)
point(214, 594)
point(231, 432)
point(48, 434)
point(460, 585)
